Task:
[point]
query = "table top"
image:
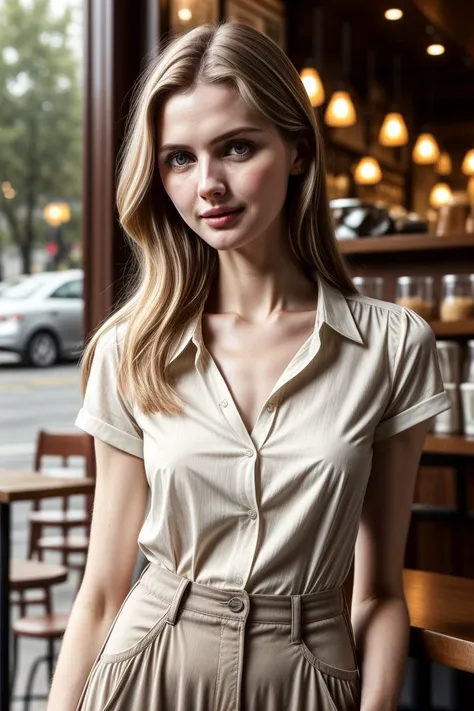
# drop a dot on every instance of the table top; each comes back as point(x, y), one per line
point(24, 485)
point(442, 617)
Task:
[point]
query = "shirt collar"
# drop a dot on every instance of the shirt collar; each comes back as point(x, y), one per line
point(333, 310)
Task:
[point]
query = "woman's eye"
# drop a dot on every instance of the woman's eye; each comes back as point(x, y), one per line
point(178, 157)
point(181, 160)
point(239, 146)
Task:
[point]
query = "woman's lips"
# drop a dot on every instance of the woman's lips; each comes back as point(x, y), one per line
point(224, 219)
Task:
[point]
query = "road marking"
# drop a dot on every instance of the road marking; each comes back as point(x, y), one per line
point(12, 450)
point(24, 385)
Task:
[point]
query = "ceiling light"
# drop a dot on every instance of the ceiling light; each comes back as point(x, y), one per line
point(393, 14)
point(185, 14)
point(436, 49)
point(470, 188)
point(341, 110)
point(368, 171)
point(440, 195)
point(444, 165)
point(468, 163)
point(426, 150)
point(394, 131)
point(313, 85)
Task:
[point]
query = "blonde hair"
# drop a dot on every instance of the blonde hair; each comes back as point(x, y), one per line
point(176, 268)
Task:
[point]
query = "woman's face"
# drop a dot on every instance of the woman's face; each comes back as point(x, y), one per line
point(216, 152)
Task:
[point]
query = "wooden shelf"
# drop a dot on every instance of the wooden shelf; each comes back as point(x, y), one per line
point(453, 328)
point(405, 243)
point(449, 444)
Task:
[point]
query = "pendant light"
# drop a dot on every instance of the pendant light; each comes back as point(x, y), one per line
point(341, 111)
point(470, 189)
point(310, 75)
point(426, 150)
point(440, 195)
point(468, 163)
point(393, 14)
point(444, 166)
point(394, 131)
point(368, 171)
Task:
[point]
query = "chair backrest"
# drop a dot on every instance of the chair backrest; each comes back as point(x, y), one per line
point(65, 445)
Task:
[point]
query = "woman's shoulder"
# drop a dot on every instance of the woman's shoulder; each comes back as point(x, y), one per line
point(386, 317)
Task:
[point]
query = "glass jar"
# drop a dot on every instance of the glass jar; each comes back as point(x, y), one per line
point(449, 358)
point(450, 421)
point(457, 301)
point(469, 374)
point(369, 286)
point(416, 293)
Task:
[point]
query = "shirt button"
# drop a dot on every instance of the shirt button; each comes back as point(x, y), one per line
point(270, 407)
point(252, 514)
point(224, 403)
point(249, 453)
point(239, 580)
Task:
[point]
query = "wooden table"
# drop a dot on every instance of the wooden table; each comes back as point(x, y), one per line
point(441, 611)
point(22, 485)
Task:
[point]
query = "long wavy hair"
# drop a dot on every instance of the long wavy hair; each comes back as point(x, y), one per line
point(175, 268)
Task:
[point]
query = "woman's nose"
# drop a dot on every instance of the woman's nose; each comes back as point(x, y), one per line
point(211, 181)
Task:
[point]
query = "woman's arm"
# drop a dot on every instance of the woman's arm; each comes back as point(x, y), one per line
point(120, 500)
point(379, 613)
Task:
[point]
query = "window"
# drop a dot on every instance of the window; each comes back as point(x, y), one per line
point(69, 290)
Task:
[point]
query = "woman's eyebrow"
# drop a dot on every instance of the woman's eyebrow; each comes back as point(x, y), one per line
point(222, 137)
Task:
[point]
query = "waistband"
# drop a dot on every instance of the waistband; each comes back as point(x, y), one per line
point(292, 610)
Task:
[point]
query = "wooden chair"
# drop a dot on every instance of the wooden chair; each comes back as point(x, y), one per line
point(26, 575)
point(65, 446)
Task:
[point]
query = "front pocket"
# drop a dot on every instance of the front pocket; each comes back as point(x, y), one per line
point(141, 619)
point(327, 646)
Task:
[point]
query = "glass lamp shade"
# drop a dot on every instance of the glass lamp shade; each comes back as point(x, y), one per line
point(340, 110)
point(444, 165)
point(468, 163)
point(368, 171)
point(440, 195)
point(394, 131)
point(313, 85)
point(426, 150)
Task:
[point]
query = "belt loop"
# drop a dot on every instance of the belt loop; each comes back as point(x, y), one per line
point(173, 611)
point(296, 619)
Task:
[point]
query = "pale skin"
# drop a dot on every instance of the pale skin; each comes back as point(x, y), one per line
point(259, 313)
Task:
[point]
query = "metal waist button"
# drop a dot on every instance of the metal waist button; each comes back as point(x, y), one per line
point(236, 604)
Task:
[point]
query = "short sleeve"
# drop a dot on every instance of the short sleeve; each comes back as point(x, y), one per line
point(104, 413)
point(417, 392)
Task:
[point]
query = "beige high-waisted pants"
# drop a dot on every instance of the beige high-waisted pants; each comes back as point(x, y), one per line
point(176, 645)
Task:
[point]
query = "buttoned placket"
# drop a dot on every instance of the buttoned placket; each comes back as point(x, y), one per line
point(253, 442)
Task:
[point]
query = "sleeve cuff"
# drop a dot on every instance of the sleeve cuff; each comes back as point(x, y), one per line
point(107, 433)
point(413, 416)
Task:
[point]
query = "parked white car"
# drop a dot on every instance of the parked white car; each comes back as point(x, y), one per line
point(41, 317)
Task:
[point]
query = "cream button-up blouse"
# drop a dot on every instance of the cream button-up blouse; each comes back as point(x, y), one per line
point(276, 512)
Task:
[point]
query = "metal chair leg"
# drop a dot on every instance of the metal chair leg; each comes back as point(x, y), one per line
point(14, 665)
point(29, 685)
point(50, 660)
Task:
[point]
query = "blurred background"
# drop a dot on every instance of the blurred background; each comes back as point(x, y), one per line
point(392, 87)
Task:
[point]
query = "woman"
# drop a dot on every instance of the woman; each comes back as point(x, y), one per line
point(275, 415)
